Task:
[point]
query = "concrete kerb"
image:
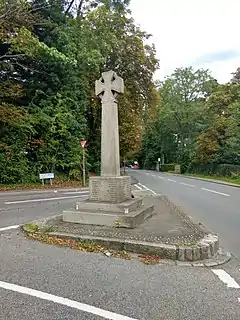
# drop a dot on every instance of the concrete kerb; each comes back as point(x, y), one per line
point(205, 253)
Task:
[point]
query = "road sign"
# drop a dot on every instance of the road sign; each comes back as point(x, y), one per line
point(46, 176)
point(83, 143)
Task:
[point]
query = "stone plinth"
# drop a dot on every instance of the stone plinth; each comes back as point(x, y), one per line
point(110, 189)
point(127, 214)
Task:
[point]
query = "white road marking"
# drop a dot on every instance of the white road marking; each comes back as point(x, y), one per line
point(8, 228)
point(226, 278)
point(138, 187)
point(146, 188)
point(76, 192)
point(64, 301)
point(161, 177)
point(41, 200)
point(216, 192)
point(187, 184)
point(172, 180)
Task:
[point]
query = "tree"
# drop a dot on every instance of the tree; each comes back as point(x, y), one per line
point(236, 76)
point(180, 115)
point(51, 54)
point(219, 141)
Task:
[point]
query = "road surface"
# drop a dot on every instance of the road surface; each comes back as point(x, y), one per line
point(215, 205)
point(44, 282)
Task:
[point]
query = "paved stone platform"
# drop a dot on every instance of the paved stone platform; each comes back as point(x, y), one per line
point(169, 233)
point(168, 225)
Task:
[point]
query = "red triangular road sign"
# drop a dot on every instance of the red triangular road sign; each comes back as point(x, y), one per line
point(83, 143)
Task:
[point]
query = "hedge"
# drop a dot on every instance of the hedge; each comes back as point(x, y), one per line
point(221, 170)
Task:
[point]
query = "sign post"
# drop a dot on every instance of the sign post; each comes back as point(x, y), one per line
point(83, 145)
point(159, 164)
point(45, 176)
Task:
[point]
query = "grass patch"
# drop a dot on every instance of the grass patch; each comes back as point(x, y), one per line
point(32, 186)
point(217, 178)
point(30, 227)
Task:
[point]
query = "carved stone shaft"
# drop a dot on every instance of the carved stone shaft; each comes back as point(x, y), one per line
point(107, 88)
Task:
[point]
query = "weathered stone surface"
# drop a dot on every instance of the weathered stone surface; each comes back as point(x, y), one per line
point(198, 264)
point(163, 250)
point(106, 218)
point(110, 189)
point(196, 253)
point(108, 207)
point(205, 251)
point(188, 254)
point(106, 87)
point(211, 264)
point(181, 253)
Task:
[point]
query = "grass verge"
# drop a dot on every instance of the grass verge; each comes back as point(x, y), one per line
point(207, 177)
point(38, 186)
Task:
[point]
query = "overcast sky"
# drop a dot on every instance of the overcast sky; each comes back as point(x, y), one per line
point(200, 33)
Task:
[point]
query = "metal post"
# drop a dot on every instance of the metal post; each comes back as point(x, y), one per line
point(84, 177)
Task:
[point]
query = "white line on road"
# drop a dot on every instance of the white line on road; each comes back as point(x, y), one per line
point(76, 192)
point(64, 301)
point(138, 187)
point(226, 278)
point(146, 188)
point(187, 184)
point(216, 192)
point(8, 228)
point(41, 200)
point(161, 177)
point(172, 180)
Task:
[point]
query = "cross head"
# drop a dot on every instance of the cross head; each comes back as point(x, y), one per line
point(108, 86)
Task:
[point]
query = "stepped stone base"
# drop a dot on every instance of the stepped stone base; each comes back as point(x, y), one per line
point(110, 204)
point(128, 214)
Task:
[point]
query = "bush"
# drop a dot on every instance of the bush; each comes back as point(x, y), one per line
point(168, 167)
point(221, 170)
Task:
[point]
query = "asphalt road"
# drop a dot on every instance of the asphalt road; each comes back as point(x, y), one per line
point(21, 207)
point(216, 206)
point(42, 282)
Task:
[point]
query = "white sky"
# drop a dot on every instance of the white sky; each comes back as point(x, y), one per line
point(198, 33)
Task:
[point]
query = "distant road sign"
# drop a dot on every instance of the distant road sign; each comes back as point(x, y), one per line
point(83, 143)
point(43, 176)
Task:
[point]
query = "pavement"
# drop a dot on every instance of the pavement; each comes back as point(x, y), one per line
point(39, 281)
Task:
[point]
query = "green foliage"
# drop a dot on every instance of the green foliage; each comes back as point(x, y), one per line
point(197, 124)
point(167, 167)
point(51, 53)
point(213, 169)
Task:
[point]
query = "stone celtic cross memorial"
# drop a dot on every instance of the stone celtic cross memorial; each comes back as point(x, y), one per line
point(107, 88)
point(110, 200)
